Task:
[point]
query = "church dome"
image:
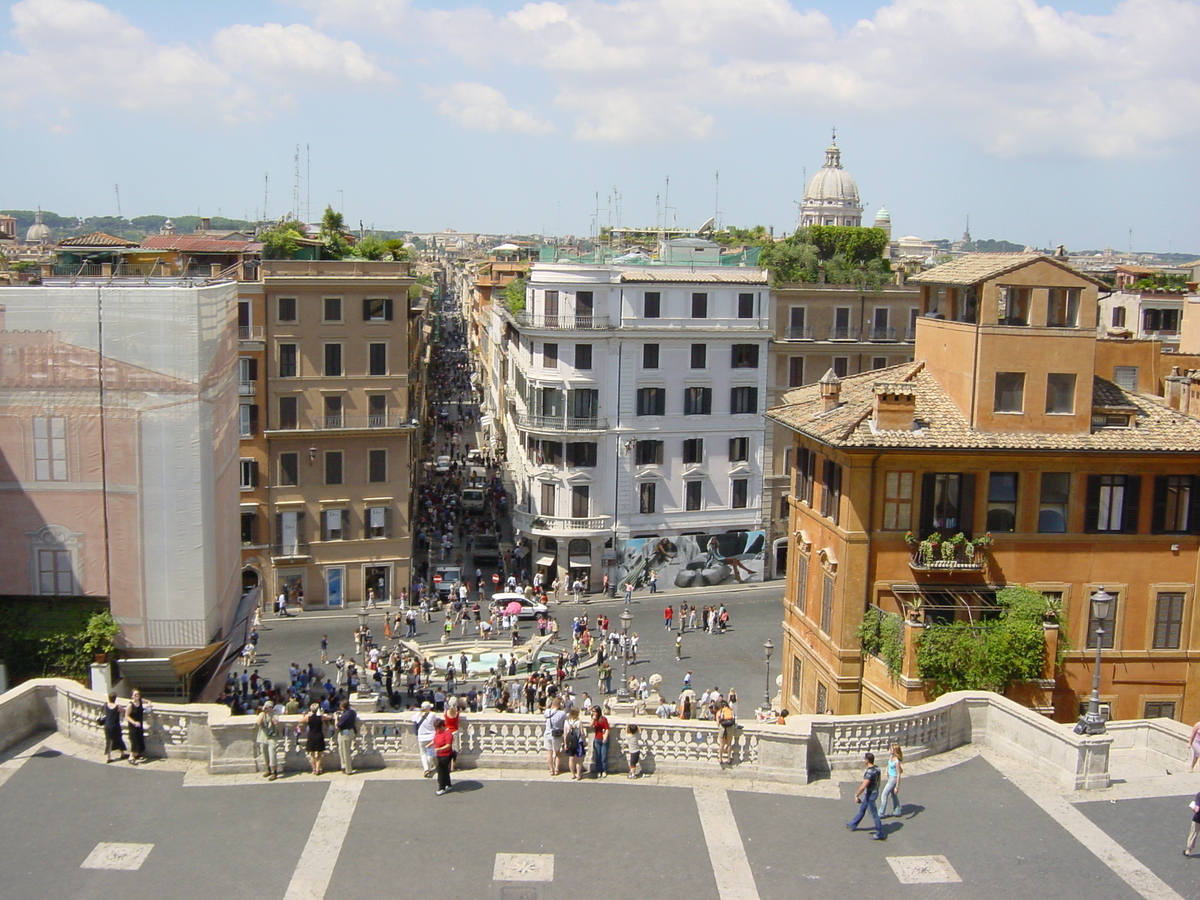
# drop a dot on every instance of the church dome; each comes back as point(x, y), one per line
point(832, 182)
point(39, 232)
point(883, 215)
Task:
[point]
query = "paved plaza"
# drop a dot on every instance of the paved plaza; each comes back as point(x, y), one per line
point(974, 826)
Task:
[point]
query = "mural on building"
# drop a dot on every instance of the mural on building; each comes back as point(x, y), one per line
point(692, 560)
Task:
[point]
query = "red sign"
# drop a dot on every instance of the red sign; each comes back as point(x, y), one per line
point(495, 578)
point(437, 579)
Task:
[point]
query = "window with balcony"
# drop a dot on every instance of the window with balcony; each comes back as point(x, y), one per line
point(548, 499)
point(584, 308)
point(651, 305)
point(1063, 308)
point(739, 449)
point(333, 467)
point(1002, 501)
point(379, 521)
point(739, 492)
point(581, 501)
point(332, 309)
point(831, 493)
point(743, 400)
point(699, 306)
point(333, 360)
point(583, 403)
point(744, 356)
point(247, 419)
point(377, 466)
point(649, 453)
point(247, 474)
point(795, 371)
point(1054, 502)
point(377, 358)
point(377, 414)
point(797, 323)
point(692, 495)
point(550, 308)
point(289, 469)
point(582, 454)
point(583, 356)
point(1112, 504)
point(646, 497)
point(288, 415)
point(697, 401)
point(897, 501)
point(1060, 393)
point(1010, 392)
point(651, 401)
point(333, 524)
point(377, 309)
point(745, 306)
point(693, 451)
point(699, 356)
point(947, 502)
point(1175, 498)
point(285, 309)
point(842, 329)
point(287, 360)
point(333, 411)
point(247, 375)
point(550, 356)
point(649, 356)
point(290, 533)
point(1168, 620)
point(549, 402)
point(49, 448)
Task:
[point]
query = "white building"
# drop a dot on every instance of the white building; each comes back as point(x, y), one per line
point(630, 403)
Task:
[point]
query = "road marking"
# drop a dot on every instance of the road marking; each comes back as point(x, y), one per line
point(1122, 863)
point(315, 866)
point(731, 867)
point(125, 857)
point(923, 869)
point(523, 867)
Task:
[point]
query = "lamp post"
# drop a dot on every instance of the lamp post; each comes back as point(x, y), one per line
point(767, 648)
point(623, 691)
point(1092, 722)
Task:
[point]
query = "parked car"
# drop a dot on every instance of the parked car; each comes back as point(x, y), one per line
point(441, 464)
point(486, 546)
point(530, 609)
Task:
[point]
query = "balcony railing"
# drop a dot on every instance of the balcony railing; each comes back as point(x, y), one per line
point(910, 333)
point(800, 333)
point(843, 333)
point(245, 388)
point(881, 333)
point(562, 323)
point(291, 550)
point(348, 423)
point(536, 524)
point(250, 332)
point(947, 557)
point(562, 423)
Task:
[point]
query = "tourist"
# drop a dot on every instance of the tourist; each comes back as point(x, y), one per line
point(575, 744)
point(347, 731)
point(453, 719)
point(552, 738)
point(135, 722)
point(424, 722)
point(266, 735)
point(633, 749)
point(668, 615)
point(110, 718)
point(891, 790)
point(314, 743)
point(1194, 745)
point(599, 743)
point(865, 798)
point(728, 725)
point(443, 749)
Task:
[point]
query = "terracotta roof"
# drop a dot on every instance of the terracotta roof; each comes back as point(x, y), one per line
point(976, 267)
point(940, 424)
point(731, 275)
point(190, 243)
point(96, 239)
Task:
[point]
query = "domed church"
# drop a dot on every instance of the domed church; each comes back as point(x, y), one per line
point(831, 197)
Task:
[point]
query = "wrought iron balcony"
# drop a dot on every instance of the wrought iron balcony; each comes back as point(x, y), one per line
point(843, 333)
point(535, 524)
point(947, 557)
point(561, 423)
point(799, 333)
point(561, 323)
point(250, 332)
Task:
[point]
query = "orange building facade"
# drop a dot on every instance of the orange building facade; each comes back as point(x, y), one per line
point(1008, 426)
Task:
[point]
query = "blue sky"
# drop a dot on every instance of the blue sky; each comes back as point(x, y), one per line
point(1069, 123)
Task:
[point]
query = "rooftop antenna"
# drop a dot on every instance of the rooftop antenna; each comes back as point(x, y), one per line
point(307, 182)
point(717, 202)
point(117, 188)
point(266, 185)
point(296, 183)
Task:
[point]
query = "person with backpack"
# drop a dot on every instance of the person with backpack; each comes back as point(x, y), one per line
point(574, 743)
point(728, 725)
point(865, 798)
point(552, 740)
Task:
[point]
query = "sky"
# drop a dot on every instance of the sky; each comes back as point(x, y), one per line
point(1072, 123)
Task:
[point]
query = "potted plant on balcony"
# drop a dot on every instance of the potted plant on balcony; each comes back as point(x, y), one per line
point(952, 548)
point(928, 548)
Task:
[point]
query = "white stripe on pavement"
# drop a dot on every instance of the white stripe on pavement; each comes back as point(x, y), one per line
point(320, 854)
point(731, 867)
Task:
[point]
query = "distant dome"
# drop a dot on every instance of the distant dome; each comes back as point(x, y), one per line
point(168, 227)
point(39, 232)
point(883, 215)
point(831, 197)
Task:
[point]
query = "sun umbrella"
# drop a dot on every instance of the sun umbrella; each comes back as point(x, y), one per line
point(513, 608)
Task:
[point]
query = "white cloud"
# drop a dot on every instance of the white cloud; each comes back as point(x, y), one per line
point(480, 107)
point(78, 50)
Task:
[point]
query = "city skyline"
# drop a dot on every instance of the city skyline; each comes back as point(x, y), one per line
point(1045, 124)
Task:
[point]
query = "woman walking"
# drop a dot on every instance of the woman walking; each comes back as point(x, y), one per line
point(135, 721)
point(111, 720)
point(314, 742)
point(443, 749)
point(895, 770)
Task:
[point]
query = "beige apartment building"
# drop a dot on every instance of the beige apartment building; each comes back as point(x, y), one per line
point(330, 428)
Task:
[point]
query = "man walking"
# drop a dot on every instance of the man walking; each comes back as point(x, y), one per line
point(678, 647)
point(347, 727)
point(865, 798)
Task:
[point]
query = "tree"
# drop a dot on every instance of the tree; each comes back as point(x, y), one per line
point(333, 234)
point(282, 240)
point(514, 295)
point(831, 254)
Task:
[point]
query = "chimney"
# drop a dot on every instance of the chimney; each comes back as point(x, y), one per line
point(831, 391)
point(205, 223)
point(895, 406)
point(1175, 388)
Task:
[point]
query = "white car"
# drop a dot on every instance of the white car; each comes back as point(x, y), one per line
point(530, 609)
point(442, 464)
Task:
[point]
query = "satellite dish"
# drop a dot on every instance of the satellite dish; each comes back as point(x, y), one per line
point(707, 227)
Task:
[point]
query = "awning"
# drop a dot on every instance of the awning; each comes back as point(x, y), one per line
point(547, 559)
point(580, 562)
point(485, 420)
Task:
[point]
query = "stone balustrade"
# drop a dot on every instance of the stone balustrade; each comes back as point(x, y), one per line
point(807, 747)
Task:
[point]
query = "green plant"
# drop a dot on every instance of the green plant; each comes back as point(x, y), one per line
point(514, 295)
point(282, 241)
point(987, 656)
point(99, 635)
point(928, 548)
point(881, 634)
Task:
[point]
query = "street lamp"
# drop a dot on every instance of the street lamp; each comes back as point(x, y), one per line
point(623, 691)
point(1091, 722)
point(768, 647)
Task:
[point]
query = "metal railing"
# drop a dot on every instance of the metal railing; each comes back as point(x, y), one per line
point(881, 333)
point(250, 332)
point(291, 550)
point(562, 423)
point(245, 388)
point(344, 423)
point(534, 523)
point(800, 333)
point(562, 322)
point(843, 333)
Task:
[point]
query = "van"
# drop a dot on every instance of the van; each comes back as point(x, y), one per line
point(472, 500)
point(486, 546)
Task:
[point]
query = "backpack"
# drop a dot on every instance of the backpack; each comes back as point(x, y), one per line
point(573, 740)
point(725, 717)
point(417, 724)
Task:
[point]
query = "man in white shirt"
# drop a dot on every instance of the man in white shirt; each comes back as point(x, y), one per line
point(426, 721)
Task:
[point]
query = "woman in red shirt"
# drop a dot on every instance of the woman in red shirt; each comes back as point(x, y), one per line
point(443, 748)
point(453, 720)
